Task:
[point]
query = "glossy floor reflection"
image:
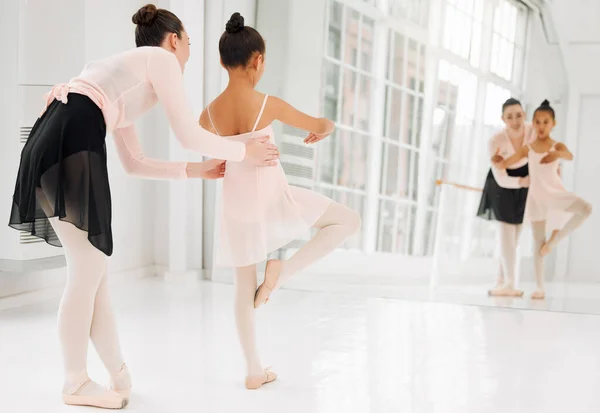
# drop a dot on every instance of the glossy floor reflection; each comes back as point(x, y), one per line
point(333, 352)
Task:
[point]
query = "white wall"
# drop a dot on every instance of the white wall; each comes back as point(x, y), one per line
point(576, 23)
point(8, 123)
point(583, 251)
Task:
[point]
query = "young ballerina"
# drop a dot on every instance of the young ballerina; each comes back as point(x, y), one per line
point(260, 211)
point(62, 192)
point(547, 199)
point(505, 193)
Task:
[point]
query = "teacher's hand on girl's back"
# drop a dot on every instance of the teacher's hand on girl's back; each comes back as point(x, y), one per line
point(262, 153)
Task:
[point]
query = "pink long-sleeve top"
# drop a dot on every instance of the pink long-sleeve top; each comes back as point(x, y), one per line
point(501, 142)
point(125, 86)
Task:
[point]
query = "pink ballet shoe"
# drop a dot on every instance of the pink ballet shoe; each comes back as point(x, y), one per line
point(505, 292)
point(256, 382)
point(538, 295)
point(92, 394)
point(121, 382)
point(266, 288)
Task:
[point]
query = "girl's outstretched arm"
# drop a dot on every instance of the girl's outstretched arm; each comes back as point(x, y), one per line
point(563, 152)
point(319, 128)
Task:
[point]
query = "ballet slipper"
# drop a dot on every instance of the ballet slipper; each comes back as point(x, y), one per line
point(499, 282)
point(538, 295)
point(264, 291)
point(121, 382)
point(256, 382)
point(92, 394)
point(505, 292)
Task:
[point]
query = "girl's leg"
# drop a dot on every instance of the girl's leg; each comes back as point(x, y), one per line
point(245, 288)
point(509, 237)
point(335, 226)
point(553, 236)
point(539, 238)
point(86, 267)
point(581, 211)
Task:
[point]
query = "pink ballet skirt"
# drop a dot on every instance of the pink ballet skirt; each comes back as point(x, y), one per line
point(260, 211)
point(548, 199)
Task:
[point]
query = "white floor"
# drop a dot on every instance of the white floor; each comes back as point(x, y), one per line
point(334, 353)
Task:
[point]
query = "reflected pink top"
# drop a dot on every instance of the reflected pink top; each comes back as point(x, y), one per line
point(125, 86)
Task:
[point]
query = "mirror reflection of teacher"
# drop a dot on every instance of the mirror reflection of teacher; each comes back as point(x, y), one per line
point(505, 193)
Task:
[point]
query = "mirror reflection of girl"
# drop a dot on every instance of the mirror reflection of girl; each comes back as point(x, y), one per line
point(547, 196)
point(505, 193)
point(260, 211)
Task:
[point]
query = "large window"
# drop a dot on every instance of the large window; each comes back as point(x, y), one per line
point(508, 40)
point(348, 98)
point(387, 151)
point(401, 142)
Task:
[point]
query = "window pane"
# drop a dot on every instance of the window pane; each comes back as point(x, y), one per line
point(334, 42)
point(413, 60)
point(335, 13)
point(403, 224)
point(476, 45)
point(352, 160)
point(397, 58)
point(326, 154)
point(478, 10)
point(465, 6)
point(366, 48)
point(411, 110)
point(351, 38)
point(396, 164)
point(348, 97)
point(495, 96)
point(413, 10)
point(394, 111)
point(422, 68)
point(364, 102)
point(429, 238)
point(332, 82)
point(502, 57)
point(418, 121)
point(387, 215)
point(414, 174)
point(449, 27)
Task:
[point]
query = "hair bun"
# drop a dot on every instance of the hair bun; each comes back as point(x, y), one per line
point(545, 104)
point(146, 15)
point(235, 23)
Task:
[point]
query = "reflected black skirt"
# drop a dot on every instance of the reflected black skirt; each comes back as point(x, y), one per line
point(503, 204)
point(63, 173)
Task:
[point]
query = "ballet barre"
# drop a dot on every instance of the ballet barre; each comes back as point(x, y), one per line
point(440, 182)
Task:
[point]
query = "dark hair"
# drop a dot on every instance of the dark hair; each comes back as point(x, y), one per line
point(153, 25)
point(545, 107)
point(510, 102)
point(239, 43)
